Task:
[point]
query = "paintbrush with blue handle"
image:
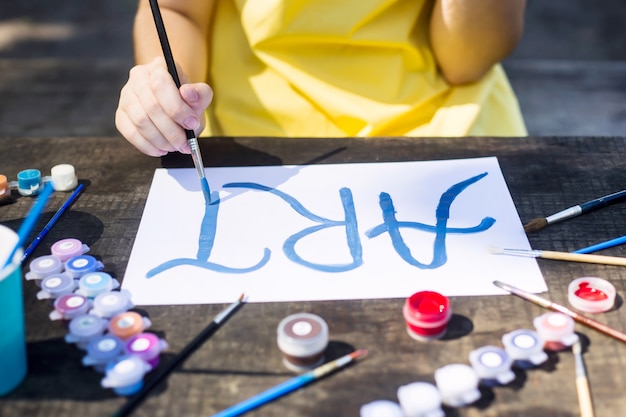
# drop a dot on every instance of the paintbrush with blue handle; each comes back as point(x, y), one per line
point(577, 210)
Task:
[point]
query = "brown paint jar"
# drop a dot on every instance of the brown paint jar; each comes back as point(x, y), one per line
point(302, 338)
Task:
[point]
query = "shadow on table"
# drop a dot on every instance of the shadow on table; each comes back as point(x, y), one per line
point(55, 371)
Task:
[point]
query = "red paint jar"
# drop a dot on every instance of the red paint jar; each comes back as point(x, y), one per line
point(591, 294)
point(427, 314)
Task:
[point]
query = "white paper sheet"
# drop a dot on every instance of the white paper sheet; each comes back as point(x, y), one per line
point(432, 231)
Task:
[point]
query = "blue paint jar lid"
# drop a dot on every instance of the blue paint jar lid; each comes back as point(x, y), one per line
point(525, 345)
point(103, 349)
point(84, 328)
point(82, 264)
point(43, 266)
point(112, 303)
point(56, 285)
point(29, 182)
point(94, 283)
point(125, 375)
point(492, 363)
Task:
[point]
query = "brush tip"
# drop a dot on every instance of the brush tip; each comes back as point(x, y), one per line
point(495, 250)
point(535, 225)
point(359, 353)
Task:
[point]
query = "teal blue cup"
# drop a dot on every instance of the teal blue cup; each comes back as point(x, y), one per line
point(12, 334)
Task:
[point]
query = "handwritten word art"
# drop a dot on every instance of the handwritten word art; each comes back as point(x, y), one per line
point(325, 232)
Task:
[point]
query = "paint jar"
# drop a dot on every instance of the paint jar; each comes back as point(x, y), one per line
point(128, 324)
point(591, 294)
point(103, 350)
point(525, 347)
point(66, 249)
point(68, 306)
point(81, 265)
point(43, 266)
point(29, 182)
point(146, 346)
point(302, 338)
point(5, 191)
point(420, 399)
point(556, 330)
point(13, 363)
point(125, 375)
point(84, 328)
point(427, 314)
point(458, 385)
point(93, 284)
point(492, 365)
point(381, 408)
point(63, 177)
point(112, 303)
point(55, 285)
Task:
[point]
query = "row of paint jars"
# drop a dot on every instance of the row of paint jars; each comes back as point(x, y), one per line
point(30, 182)
point(98, 315)
point(456, 385)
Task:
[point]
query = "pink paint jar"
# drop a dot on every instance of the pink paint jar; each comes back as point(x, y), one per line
point(427, 314)
point(66, 249)
point(146, 346)
point(556, 329)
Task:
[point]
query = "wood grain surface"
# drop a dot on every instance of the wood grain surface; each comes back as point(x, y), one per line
point(544, 175)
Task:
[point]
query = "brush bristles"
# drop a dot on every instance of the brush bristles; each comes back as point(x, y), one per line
point(535, 224)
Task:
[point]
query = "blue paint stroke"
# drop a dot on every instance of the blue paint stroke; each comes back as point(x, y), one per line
point(349, 222)
point(442, 213)
point(206, 241)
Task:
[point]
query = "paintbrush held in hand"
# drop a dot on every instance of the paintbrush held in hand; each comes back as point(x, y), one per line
point(577, 210)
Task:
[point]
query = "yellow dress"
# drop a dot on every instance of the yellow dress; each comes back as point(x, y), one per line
point(335, 68)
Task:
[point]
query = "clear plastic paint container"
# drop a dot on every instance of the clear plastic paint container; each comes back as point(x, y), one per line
point(125, 375)
point(492, 365)
point(427, 314)
point(68, 306)
point(43, 266)
point(93, 284)
point(111, 303)
point(591, 294)
point(128, 324)
point(420, 399)
point(56, 285)
point(381, 408)
point(102, 350)
point(5, 190)
point(525, 347)
point(147, 346)
point(63, 177)
point(556, 329)
point(302, 338)
point(66, 249)
point(84, 328)
point(81, 265)
point(29, 182)
point(458, 384)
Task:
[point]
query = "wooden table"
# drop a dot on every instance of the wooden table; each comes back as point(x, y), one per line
point(544, 175)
